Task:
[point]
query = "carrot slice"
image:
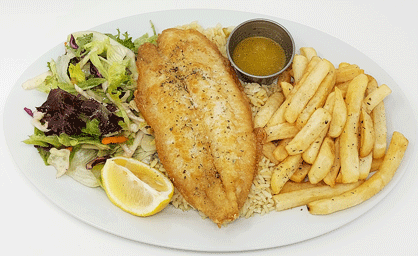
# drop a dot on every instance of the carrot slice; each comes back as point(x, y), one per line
point(114, 140)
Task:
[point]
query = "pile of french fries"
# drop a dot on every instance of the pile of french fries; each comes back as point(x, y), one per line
point(325, 131)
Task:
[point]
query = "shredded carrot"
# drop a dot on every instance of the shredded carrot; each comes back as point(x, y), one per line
point(114, 139)
point(69, 148)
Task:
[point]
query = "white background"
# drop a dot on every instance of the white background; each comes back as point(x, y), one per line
point(383, 30)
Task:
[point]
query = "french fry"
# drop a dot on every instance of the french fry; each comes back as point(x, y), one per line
point(313, 61)
point(291, 76)
point(300, 174)
point(371, 85)
point(367, 137)
point(339, 178)
point(379, 122)
point(343, 64)
point(324, 161)
point(280, 152)
point(329, 103)
point(365, 166)
point(349, 136)
point(268, 149)
point(380, 130)
point(300, 62)
point(370, 187)
point(297, 198)
point(318, 99)
point(330, 129)
point(310, 154)
point(293, 186)
point(347, 73)
point(335, 169)
point(376, 163)
point(281, 131)
point(284, 171)
point(343, 87)
point(311, 65)
point(306, 136)
point(278, 116)
point(306, 90)
point(339, 115)
point(376, 96)
point(286, 88)
point(268, 109)
point(308, 52)
point(285, 76)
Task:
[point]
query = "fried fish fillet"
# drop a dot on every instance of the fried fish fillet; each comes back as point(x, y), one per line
point(190, 96)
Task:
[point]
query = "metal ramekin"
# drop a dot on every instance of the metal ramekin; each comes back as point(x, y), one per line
point(266, 28)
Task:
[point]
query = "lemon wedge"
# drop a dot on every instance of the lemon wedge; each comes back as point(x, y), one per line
point(135, 187)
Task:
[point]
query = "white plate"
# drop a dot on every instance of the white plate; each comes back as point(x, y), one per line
point(186, 230)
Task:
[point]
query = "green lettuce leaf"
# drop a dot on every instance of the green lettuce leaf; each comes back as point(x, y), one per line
point(51, 81)
point(99, 62)
point(64, 140)
point(85, 85)
point(78, 171)
point(117, 76)
point(115, 97)
point(76, 74)
point(146, 39)
point(60, 159)
point(126, 41)
point(91, 83)
point(92, 127)
point(44, 155)
point(81, 42)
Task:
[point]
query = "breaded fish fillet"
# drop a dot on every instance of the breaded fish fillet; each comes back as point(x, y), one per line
point(190, 96)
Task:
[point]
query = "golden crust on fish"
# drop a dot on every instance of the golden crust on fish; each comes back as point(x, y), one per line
point(190, 96)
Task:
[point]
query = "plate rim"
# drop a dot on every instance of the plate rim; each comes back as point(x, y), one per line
point(17, 85)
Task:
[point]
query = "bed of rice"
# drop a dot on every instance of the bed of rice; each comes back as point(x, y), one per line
point(260, 199)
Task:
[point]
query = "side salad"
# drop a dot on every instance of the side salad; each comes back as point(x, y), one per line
point(89, 114)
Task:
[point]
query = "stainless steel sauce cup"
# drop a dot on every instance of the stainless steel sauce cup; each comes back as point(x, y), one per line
point(266, 28)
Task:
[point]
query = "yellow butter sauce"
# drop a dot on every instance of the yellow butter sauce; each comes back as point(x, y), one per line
point(260, 56)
